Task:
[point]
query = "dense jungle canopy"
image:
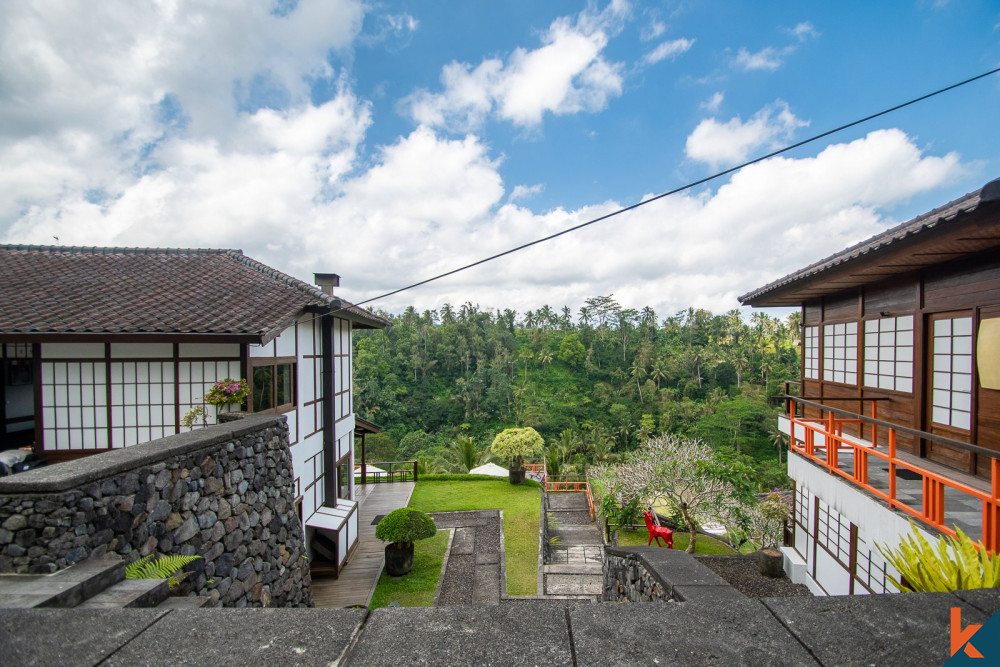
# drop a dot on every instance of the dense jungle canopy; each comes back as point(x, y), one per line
point(442, 383)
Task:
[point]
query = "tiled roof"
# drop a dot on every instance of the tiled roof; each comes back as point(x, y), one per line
point(952, 211)
point(62, 290)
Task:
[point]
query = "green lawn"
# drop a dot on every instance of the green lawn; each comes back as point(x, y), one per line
point(415, 589)
point(703, 545)
point(521, 507)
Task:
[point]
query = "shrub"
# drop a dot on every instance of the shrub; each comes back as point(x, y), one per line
point(515, 444)
point(955, 564)
point(405, 526)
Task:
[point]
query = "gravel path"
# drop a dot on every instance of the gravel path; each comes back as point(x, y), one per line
point(742, 574)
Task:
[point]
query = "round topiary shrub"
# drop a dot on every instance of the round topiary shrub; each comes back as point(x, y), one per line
point(401, 528)
point(514, 445)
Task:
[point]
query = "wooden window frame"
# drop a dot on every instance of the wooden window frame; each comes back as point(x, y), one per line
point(932, 370)
point(274, 362)
point(847, 348)
point(811, 344)
point(881, 354)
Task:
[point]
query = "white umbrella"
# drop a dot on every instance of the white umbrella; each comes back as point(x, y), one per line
point(374, 471)
point(491, 469)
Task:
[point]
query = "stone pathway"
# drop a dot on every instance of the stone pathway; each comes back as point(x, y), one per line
point(473, 572)
point(573, 567)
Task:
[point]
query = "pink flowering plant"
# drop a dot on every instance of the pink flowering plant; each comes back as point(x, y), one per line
point(228, 392)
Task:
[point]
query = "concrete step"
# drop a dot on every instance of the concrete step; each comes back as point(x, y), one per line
point(129, 593)
point(574, 584)
point(574, 568)
point(569, 517)
point(567, 501)
point(191, 602)
point(63, 589)
point(571, 536)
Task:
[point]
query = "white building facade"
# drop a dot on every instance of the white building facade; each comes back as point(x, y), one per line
point(122, 343)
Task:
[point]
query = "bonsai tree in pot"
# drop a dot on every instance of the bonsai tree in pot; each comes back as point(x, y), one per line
point(514, 445)
point(401, 528)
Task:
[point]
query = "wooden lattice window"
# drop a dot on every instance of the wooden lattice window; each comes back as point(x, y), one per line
point(840, 353)
point(889, 353)
point(951, 398)
point(810, 365)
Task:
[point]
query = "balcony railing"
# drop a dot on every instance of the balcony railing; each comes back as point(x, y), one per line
point(823, 441)
point(562, 483)
point(381, 472)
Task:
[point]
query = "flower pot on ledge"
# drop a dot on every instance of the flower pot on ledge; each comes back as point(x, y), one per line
point(516, 476)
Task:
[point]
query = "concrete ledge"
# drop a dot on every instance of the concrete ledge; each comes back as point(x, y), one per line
point(70, 474)
point(681, 575)
point(900, 629)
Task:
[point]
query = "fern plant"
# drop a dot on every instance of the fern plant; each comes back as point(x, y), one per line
point(160, 566)
point(956, 563)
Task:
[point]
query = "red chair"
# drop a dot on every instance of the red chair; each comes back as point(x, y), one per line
point(656, 532)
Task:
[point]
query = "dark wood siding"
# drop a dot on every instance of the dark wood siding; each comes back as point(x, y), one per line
point(970, 285)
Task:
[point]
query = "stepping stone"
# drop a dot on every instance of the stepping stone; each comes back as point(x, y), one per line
point(129, 593)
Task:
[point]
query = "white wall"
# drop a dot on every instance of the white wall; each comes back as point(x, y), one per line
point(844, 504)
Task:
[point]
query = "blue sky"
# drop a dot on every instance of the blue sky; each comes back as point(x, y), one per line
point(392, 141)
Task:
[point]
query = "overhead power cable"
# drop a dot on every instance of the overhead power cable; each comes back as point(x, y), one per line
point(682, 188)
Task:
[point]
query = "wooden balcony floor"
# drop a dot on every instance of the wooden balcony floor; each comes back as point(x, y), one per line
point(358, 578)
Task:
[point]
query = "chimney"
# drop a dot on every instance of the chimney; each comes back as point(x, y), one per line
point(326, 282)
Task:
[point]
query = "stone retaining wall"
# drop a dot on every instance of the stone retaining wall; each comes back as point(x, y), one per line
point(646, 574)
point(626, 579)
point(224, 492)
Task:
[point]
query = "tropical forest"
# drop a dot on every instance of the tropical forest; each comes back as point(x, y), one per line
point(595, 384)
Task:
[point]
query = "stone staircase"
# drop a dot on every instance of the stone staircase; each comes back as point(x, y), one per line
point(91, 584)
point(575, 552)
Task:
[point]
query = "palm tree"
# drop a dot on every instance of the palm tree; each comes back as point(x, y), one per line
point(544, 357)
point(659, 371)
point(464, 453)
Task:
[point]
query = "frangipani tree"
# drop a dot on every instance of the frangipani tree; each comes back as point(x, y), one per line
point(685, 474)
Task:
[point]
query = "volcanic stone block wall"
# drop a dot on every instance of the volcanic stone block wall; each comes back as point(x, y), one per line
point(224, 493)
point(626, 579)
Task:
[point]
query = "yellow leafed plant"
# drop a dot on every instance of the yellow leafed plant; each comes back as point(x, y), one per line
point(955, 563)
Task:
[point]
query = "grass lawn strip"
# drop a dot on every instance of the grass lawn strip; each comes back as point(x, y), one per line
point(417, 588)
point(521, 505)
point(703, 545)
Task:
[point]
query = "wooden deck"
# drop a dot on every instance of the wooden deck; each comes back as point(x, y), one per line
point(358, 578)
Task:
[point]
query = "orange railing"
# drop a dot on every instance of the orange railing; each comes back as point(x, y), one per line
point(822, 439)
point(563, 483)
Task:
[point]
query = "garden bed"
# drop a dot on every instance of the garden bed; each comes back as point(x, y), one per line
point(742, 574)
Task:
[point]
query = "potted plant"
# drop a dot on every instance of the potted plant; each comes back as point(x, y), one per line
point(774, 512)
point(514, 445)
point(227, 393)
point(401, 528)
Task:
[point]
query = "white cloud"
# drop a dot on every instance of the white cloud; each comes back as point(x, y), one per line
point(667, 50)
point(101, 164)
point(566, 75)
point(768, 58)
point(712, 104)
point(804, 31)
point(525, 192)
point(652, 30)
point(732, 142)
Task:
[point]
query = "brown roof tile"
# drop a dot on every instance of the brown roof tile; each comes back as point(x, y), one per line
point(61, 290)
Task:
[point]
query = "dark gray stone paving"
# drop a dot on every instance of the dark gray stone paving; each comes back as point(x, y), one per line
point(243, 637)
point(472, 574)
point(61, 637)
point(909, 629)
point(901, 629)
point(741, 632)
point(985, 600)
point(465, 635)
